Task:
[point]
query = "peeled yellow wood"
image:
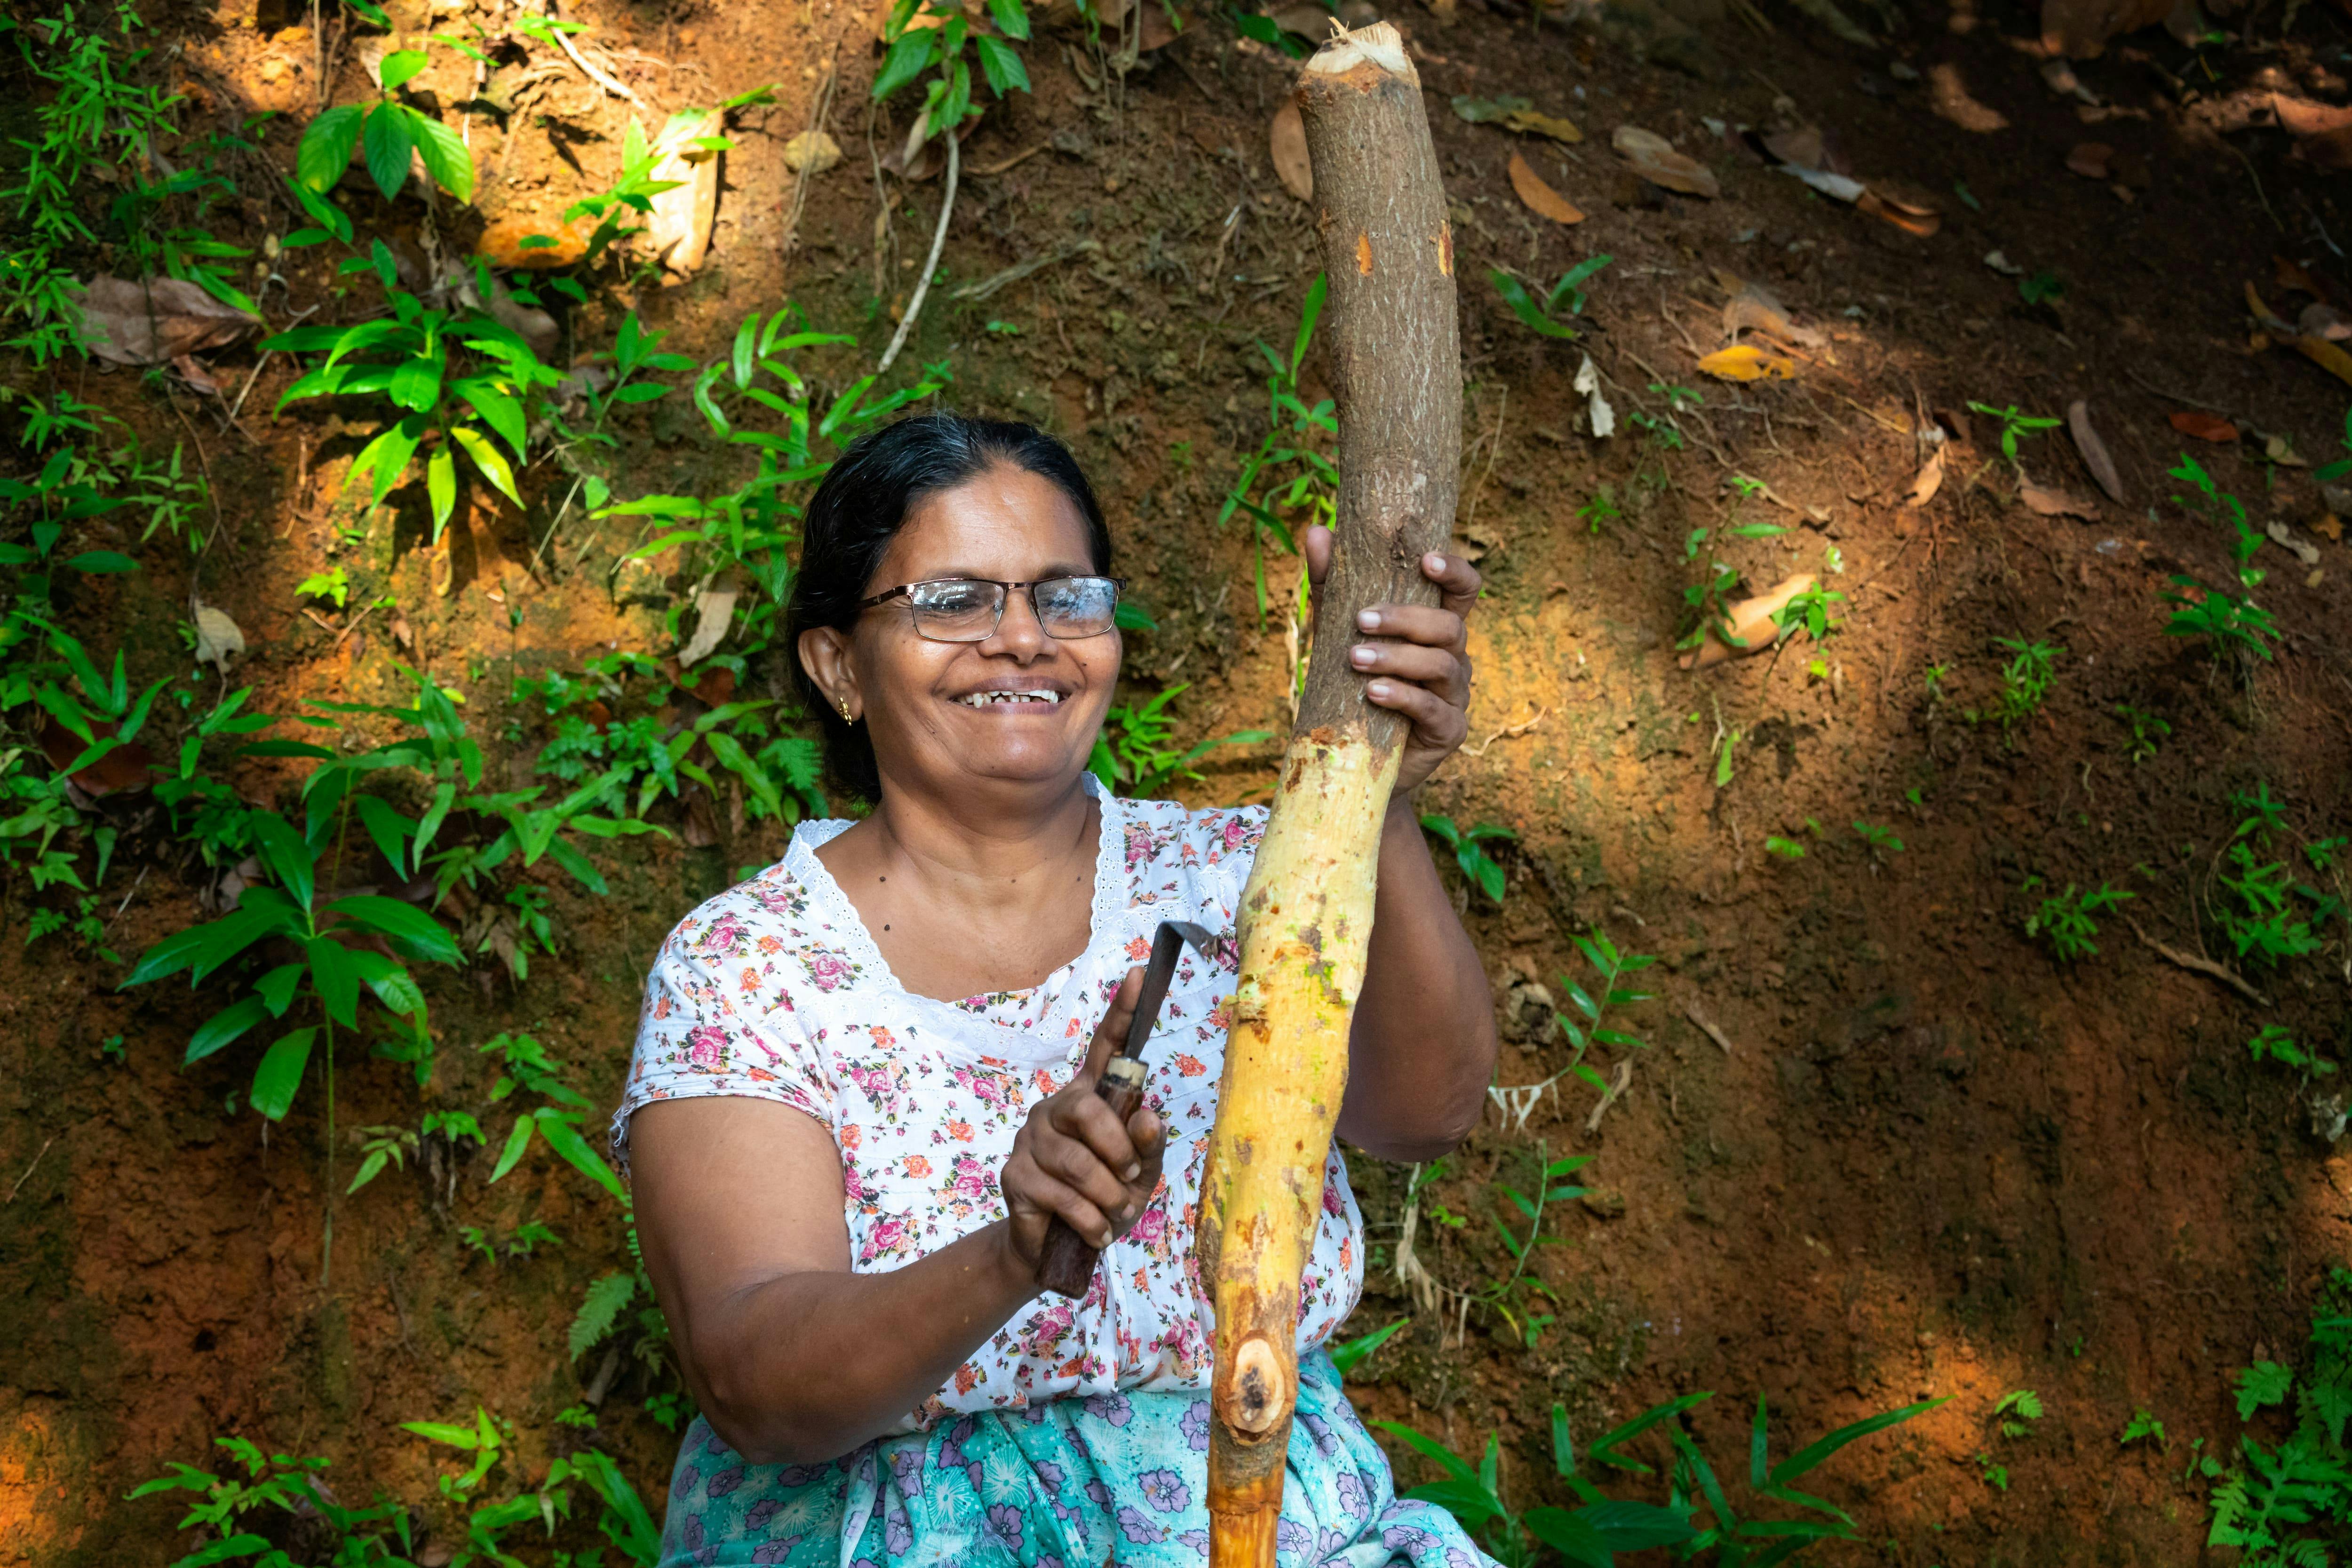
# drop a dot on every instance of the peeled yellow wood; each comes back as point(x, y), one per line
point(1306, 914)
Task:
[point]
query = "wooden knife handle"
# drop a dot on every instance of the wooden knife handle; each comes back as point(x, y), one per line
point(1065, 1266)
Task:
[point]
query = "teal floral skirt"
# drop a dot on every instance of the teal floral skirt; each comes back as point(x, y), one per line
point(1077, 1483)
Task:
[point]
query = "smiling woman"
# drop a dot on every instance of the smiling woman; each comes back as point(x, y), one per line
point(864, 1080)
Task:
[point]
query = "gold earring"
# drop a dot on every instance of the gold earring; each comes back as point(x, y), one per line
point(846, 716)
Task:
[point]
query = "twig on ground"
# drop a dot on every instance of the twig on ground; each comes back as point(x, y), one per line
point(28, 1172)
point(2191, 961)
point(817, 117)
point(2170, 397)
point(1619, 1081)
point(1005, 165)
point(602, 79)
point(1507, 733)
point(1020, 270)
point(931, 265)
point(1699, 1019)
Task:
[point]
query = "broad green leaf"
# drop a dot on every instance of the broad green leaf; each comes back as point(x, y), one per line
point(600, 1308)
point(388, 828)
point(518, 1140)
point(441, 488)
point(169, 956)
point(905, 62)
point(227, 1550)
point(489, 459)
point(405, 923)
point(277, 988)
point(566, 1140)
point(279, 1075)
point(386, 142)
point(1569, 1534)
point(337, 978)
point(1011, 19)
point(417, 383)
point(1350, 1353)
point(326, 149)
point(399, 67)
point(283, 851)
point(444, 154)
point(455, 1436)
point(1000, 63)
point(223, 1028)
point(1526, 309)
point(102, 560)
point(1805, 1459)
point(498, 410)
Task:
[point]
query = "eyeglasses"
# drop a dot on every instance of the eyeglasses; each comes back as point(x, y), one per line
point(967, 609)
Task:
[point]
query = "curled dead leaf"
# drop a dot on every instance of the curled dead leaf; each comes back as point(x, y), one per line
point(217, 637)
point(1534, 122)
point(2092, 160)
point(1751, 622)
point(1745, 362)
point(2327, 357)
point(1653, 158)
point(714, 608)
point(2328, 527)
point(1286, 141)
point(1906, 212)
point(1927, 481)
point(2047, 502)
point(2281, 534)
point(1752, 307)
point(678, 228)
point(154, 320)
point(1602, 418)
point(2198, 425)
point(1541, 198)
point(1804, 146)
point(2094, 451)
point(2294, 275)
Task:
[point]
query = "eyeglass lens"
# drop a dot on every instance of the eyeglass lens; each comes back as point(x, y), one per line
point(964, 610)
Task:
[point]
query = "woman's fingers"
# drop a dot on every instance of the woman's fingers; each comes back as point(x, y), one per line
point(1317, 542)
point(1111, 1032)
point(1457, 580)
point(1087, 1122)
point(1437, 721)
point(1425, 625)
point(1442, 669)
point(1082, 1214)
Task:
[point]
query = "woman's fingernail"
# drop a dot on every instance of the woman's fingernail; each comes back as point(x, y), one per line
point(1134, 1169)
point(1369, 619)
point(1378, 690)
point(1433, 562)
point(1363, 656)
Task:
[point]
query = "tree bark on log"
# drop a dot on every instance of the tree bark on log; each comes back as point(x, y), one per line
point(1307, 913)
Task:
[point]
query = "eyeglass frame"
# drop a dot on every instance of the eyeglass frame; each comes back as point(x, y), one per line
point(905, 590)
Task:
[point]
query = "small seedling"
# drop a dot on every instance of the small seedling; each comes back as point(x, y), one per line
point(1599, 508)
point(2014, 425)
point(1809, 611)
point(2144, 1428)
point(2025, 679)
point(2235, 627)
point(1786, 848)
point(1993, 1474)
point(1561, 302)
point(2274, 1044)
point(1476, 866)
point(1882, 840)
point(2263, 814)
point(2017, 1412)
point(333, 585)
point(2043, 287)
point(2148, 732)
point(2064, 924)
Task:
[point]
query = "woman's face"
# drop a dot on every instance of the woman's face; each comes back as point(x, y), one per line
point(934, 727)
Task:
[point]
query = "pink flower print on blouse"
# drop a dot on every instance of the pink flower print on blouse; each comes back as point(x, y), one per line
point(725, 934)
point(969, 1185)
point(828, 968)
point(706, 1048)
point(892, 1237)
point(1138, 845)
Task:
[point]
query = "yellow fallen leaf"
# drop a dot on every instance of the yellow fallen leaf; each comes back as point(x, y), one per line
point(1540, 198)
point(1745, 362)
point(1750, 622)
point(2326, 355)
point(1536, 122)
point(2328, 528)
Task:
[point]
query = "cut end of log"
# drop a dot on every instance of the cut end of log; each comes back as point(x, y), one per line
point(1379, 46)
point(1259, 1397)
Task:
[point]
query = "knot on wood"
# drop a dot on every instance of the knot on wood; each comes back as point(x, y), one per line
point(1259, 1394)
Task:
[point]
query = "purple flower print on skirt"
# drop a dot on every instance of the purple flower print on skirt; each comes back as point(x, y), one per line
point(1063, 1484)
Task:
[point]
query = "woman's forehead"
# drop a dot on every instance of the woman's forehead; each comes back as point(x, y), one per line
point(1003, 522)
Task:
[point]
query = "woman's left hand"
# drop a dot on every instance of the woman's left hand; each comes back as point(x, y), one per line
point(1424, 674)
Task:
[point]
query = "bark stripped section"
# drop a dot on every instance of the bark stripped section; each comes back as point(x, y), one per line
point(1307, 913)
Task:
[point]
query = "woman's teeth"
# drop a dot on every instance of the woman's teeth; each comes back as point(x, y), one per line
point(988, 698)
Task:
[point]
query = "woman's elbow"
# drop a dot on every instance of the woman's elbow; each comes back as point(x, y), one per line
point(756, 1429)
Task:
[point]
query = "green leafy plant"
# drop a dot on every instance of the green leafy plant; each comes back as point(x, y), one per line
point(2065, 923)
point(2236, 628)
point(2284, 1503)
point(2043, 287)
point(2014, 425)
point(1133, 753)
point(2017, 1411)
point(2144, 1428)
point(2274, 1043)
point(1599, 506)
point(1349, 1354)
point(938, 47)
point(1698, 1521)
point(1707, 609)
point(1289, 472)
point(277, 1484)
point(2025, 679)
point(385, 131)
point(525, 1067)
point(459, 379)
point(1477, 867)
point(1808, 611)
point(1882, 840)
point(1785, 848)
point(2148, 732)
point(1557, 305)
point(1591, 1024)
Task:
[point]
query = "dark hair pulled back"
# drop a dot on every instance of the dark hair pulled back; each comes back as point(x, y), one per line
point(860, 507)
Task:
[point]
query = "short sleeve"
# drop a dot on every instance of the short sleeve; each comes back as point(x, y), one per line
point(719, 1019)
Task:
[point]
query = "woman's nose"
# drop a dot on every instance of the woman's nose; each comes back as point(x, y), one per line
point(1019, 633)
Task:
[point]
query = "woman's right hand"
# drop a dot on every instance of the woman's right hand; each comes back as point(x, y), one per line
point(1074, 1157)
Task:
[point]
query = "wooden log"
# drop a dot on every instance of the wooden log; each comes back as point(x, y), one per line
point(1306, 914)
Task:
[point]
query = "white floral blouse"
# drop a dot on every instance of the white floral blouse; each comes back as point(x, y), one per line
point(774, 990)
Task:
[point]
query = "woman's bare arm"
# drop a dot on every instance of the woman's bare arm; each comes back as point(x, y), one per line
point(795, 1359)
point(1422, 1049)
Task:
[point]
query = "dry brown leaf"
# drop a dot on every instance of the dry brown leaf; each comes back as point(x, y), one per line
point(1802, 146)
point(1287, 141)
point(2302, 119)
point(2094, 451)
point(1535, 122)
point(1304, 20)
point(2327, 357)
point(1653, 158)
point(2328, 527)
point(714, 610)
point(1745, 362)
point(1158, 30)
point(678, 228)
point(812, 153)
point(2092, 160)
point(2262, 314)
point(1907, 214)
point(127, 766)
point(2291, 275)
point(2048, 502)
point(1541, 198)
point(218, 637)
point(2203, 426)
point(1751, 622)
point(1927, 481)
point(2079, 29)
point(1752, 307)
point(155, 320)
